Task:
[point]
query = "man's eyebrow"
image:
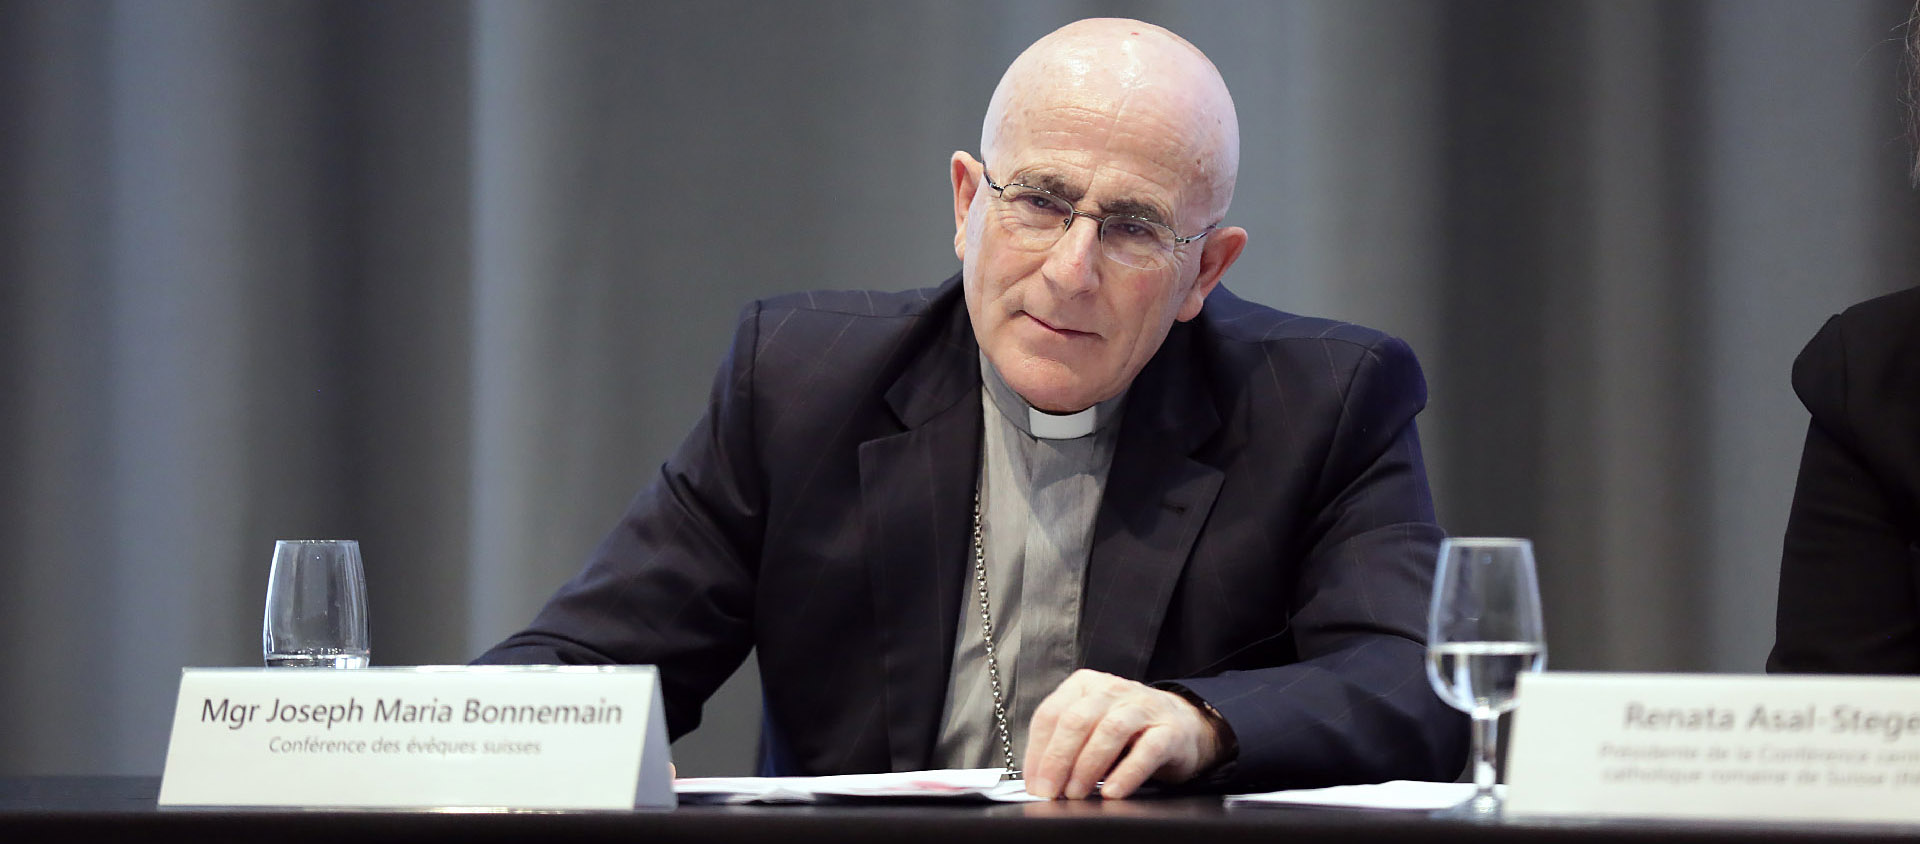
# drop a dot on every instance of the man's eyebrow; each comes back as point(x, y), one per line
point(1051, 184)
point(1059, 187)
point(1133, 208)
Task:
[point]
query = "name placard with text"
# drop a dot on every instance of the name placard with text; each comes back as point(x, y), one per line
point(1716, 746)
point(536, 737)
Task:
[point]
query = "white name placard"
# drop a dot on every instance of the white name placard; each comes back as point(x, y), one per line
point(539, 737)
point(1705, 746)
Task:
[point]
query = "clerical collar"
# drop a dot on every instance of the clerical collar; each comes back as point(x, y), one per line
point(1039, 423)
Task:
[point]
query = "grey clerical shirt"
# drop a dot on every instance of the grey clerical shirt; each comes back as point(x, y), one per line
point(1042, 476)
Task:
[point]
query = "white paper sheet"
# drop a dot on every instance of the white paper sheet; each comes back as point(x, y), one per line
point(1407, 795)
point(978, 784)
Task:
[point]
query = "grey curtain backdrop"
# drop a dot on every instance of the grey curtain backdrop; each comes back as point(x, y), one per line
point(451, 279)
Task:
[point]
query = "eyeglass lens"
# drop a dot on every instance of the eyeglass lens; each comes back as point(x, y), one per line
point(1039, 218)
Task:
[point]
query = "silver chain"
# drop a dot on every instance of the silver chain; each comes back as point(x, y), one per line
point(986, 636)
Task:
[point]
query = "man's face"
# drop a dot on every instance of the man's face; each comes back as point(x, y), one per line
point(1066, 326)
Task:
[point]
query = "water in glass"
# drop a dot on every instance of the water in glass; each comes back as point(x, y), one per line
point(1483, 632)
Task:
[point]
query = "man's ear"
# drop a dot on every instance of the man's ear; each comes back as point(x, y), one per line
point(967, 173)
point(1217, 252)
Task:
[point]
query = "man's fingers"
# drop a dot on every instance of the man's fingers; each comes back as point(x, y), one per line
point(1150, 752)
point(1040, 731)
point(1057, 759)
point(1117, 728)
point(1099, 727)
point(1045, 768)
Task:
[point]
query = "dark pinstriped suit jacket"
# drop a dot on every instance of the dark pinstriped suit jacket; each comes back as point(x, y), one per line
point(1266, 537)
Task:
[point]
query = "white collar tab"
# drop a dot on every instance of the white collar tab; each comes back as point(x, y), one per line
point(1055, 426)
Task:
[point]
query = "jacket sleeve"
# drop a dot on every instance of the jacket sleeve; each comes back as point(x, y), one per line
point(1356, 706)
point(672, 585)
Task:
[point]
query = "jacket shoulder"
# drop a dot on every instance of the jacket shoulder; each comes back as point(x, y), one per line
point(846, 345)
point(1859, 378)
point(1236, 320)
point(1892, 315)
point(1236, 329)
point(842, 328)
point(854, 303)
point(1868, 353)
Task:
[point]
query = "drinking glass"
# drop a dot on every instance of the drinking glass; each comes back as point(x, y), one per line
point(316, 605)
point(1483, 631)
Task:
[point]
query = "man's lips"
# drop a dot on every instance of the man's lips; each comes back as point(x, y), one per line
point(1064, 332)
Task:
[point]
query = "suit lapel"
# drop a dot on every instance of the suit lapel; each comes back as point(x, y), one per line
point(1157, 497)
point(916, 490)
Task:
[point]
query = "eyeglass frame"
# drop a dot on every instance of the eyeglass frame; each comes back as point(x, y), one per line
point(1100, 222)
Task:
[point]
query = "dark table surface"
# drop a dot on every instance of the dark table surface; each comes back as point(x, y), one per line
point(71, 809)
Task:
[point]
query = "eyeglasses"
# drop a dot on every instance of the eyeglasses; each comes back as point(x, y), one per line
point(1037, 218)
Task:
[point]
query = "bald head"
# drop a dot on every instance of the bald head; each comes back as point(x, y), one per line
point(1136, 77)
point(1121, 122)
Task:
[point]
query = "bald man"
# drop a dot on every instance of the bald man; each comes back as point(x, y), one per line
point(1078, 511)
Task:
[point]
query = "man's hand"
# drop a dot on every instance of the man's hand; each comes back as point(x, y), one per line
point(1095, 720)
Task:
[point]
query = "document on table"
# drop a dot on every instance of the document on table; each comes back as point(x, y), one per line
point(1398, 794)
point(970, 784)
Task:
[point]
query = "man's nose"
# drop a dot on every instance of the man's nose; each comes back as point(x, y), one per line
point(1073, 265)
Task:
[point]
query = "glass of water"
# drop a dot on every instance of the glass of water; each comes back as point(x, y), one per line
point(1483, 632)
point(316, 605)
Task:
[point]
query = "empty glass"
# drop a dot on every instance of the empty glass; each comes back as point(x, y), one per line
point(1483, 632)
point(316, 605)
